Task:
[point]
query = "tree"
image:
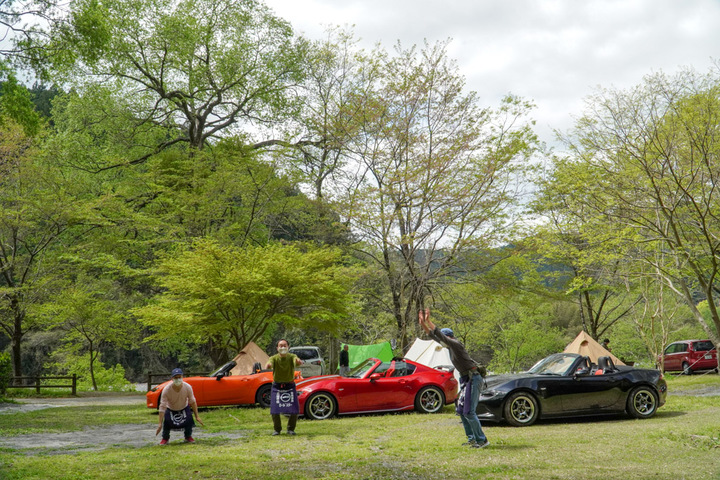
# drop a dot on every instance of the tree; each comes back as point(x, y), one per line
point(591, 259)
point(16, 104)
point(438, 175)
point(655, 147)
point(92, 315)
point(236, 295)
point(191, 69)
point(19, 22)
point(38, 212)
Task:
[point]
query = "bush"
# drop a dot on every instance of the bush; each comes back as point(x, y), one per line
point(107, 379)
point(5, 371)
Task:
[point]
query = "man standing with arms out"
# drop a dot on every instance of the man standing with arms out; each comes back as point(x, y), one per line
point(283, 397)
point(344, 361)
point(176, 400)
point(470, 379)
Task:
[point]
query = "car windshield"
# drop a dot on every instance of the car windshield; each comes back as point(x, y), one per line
point(558, 364)
point(362, 369)
point(223, 369)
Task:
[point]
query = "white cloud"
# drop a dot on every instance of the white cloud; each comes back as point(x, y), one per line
point(553, 52)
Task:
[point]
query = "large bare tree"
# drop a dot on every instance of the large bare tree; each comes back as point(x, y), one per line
point(437, 174)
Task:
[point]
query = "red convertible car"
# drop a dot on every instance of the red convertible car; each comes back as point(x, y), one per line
point(222, 388)
point(377, 386)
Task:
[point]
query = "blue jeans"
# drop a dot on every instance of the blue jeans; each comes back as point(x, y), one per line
point(470, 421)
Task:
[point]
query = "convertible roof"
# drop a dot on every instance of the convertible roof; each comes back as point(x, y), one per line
point(247, 357)
point(584, 344)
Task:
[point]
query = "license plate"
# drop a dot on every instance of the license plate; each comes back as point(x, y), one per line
point(708, 357)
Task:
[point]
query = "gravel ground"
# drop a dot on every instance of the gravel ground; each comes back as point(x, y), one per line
point(91, 439)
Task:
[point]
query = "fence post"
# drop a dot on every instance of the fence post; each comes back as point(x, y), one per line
point(37, 384)
point(149, 381)
point(74, 384)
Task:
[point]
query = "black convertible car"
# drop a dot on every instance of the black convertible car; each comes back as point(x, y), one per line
point(569, 385)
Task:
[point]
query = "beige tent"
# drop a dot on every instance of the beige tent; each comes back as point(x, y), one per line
point(247, 357)
point(584, 344)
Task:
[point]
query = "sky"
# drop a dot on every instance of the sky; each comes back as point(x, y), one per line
point(553, 52)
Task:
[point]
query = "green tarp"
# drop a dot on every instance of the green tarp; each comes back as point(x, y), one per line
point(360, 353)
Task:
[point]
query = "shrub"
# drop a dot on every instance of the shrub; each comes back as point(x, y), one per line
point(5, 371)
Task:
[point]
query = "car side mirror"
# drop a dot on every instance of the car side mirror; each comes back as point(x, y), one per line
point(219, 377)
point(581, 372)
point(375, 376)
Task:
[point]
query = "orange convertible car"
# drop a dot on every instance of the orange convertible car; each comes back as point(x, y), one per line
point(222, 388)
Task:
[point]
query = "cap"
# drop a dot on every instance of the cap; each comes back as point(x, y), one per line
point(447, 332)
point(176, 371)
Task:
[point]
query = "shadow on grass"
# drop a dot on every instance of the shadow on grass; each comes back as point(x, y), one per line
point(589, 419)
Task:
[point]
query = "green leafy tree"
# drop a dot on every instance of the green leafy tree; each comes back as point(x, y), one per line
point(6, 371)
point(39, 213)
point(69, 360)
point(438, 175)
point(654, 147)
point(92, 315)
point(16, 104)
point(236, 295)
point(191, 69)
point(591, 258)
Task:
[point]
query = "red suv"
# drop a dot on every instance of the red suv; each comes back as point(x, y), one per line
point(690, 355)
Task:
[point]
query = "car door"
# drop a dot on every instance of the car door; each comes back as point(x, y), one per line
point(674, 355)
point(592, 393)
point(552, 388)
point(382, 393)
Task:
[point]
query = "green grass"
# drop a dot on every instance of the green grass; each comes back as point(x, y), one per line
point(681, 441)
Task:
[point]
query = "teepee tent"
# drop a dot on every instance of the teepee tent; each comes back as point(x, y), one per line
point(584, 344)
point(249, 356)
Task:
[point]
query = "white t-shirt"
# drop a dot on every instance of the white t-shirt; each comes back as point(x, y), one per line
point(176, 400)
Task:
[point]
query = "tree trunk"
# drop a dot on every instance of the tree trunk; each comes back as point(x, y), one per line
point(17, 335)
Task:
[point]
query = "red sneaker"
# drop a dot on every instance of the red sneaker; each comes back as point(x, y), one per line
point(163, 442)
point(189, 440)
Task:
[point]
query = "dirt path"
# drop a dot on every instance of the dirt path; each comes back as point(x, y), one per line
point(91, 438)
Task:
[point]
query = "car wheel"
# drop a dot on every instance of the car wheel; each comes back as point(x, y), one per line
point(686, 368)
point(320, 406)
point(521, 409)
point(262, 397)
point(642, 402)
point(429, 400)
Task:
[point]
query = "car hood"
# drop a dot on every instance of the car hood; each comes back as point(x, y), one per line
point(492, 381)
point(313, 380)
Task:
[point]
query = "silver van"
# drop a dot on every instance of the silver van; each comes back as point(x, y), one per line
point(313, 363)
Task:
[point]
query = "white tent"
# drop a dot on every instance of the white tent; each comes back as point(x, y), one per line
point(430, 353)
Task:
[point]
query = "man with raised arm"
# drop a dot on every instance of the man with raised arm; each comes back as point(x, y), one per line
point(471, 378)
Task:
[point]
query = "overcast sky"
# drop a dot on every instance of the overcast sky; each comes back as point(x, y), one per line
point(553, 52)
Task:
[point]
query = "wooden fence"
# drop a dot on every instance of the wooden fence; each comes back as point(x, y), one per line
point(39, 382)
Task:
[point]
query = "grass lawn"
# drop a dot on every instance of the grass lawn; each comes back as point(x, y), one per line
point(681, 441)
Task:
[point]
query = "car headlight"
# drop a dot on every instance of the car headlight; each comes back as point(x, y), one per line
point(489, 393)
